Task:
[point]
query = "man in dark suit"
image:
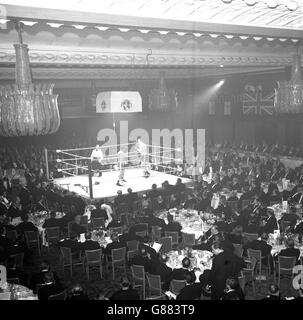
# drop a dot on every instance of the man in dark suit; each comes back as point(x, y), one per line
point(25, 225)
point(271, 223)
point(225, 264)
point(290, 250)
point(178, 274)
point(71, 243)
point(160, 268)
point(192, 290)
point(99, 213)
point(205, 202)
point(52, 222)
point(50, 287)
point(76, 226)
point(223, 208)
point(232, 290)
point(172, 226)
point(89, 244)
point(126, 292)
point(116, 244)
point(273, 293)
point(142, 259)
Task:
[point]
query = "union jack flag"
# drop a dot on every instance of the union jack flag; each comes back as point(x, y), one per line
point(256, 101)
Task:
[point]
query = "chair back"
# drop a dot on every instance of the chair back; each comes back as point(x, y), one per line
point(286, 263)
point(59, 296)
point(118, 255)
point(12, 235)
point(118, 230)
point(142, 234)
point(242, 282)
point(156, 233)
point(98, 223)
point(138, 275)
point(174, 235)
point(256, 254)
point(132, 245)
point(122, 208)
point(154, 284)
point(167, 244)
point(32, 237)
point(52, 233)
point(124, 219)
point(176, 286)
point(131, 254)
point(67, 255)
point(5, 296)
point(238, 250)
point(13, 280)
point(69, 227)
point(250, 236)
point(188, 239)
point(93, 256)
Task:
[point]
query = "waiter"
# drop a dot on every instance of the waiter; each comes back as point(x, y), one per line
point(142, 153)
point(96, 159)
point(122, 160)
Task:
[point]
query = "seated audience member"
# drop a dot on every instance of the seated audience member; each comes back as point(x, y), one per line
point(142, 259)
point(223, 208)
point(172, 226)
point(192, 290)
point(225, 264)
point(89, 244)
point(76, 226)
point(232, 290)
point(205, 202)
point(98, 212)
point(273, 293)
point(252, 227)
point(71, 243)
point(161, 205)
point(236, 236)
point(77, 293)
point(116, 244)
point(160, 268)
point(178, 274)
point(271, 223)
point(126, 292)
point(38, 278)
point(290, 250)
point(291, 217)
point(25, 225)
point(52, 222)
point(14, 211)
point(50, 287)
point(190, 202)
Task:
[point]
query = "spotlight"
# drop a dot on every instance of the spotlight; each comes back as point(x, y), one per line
point(59, 170)
point(58, 151)
point(59, 160)
point(220, 83)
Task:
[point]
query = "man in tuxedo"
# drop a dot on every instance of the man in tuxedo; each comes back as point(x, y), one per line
point(232, 290)
point(160, 268)
point(271, 223)
point(50, 287)
point(76, 226)
point(116, 244)
point(273, 293)
point(178, 274)
point(142, 259)
point(172, 226)
point(52, 222)
point(223, 208)
point(98, 212)
point(225, 264)
point(192, 289)
point(25, 225)
point(126, 292)
point(89, 244)
point(290, 250)
point(71, 243)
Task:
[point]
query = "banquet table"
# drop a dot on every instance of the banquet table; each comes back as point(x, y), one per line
point(191, 221)
point(278, 247)
point(19, 292)
point(201, 260)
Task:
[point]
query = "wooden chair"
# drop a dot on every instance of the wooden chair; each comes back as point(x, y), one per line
point(132, 245)
point(166, 244)
point(93, 258)
point(285, 267)
point(52, 235)
point(242, 282)
point(69, 261)
point(238, 250)
point(59, 296)
point(18, 257)
point(12, 235)
point(98, 223)
point(118, 230)
point(250, 236)
point(13, 280)
point(118, 259)
point(154, 285)
point(32, 239)
point(138, 275)
point(249, 274)
point(176, 286)
point(188, 239)
point(257, 255)
point(174, 236)
point(131, 254)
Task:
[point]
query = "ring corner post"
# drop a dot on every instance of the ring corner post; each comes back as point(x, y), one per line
point(46, 163)
point(90, 180)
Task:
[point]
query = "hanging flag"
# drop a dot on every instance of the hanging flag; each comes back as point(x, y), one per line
point(211, 108)
point(257, 101)
point(118, 102)
point(227, 108)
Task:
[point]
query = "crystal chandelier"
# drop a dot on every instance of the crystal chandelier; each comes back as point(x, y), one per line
point(27, 109)
point(289, 94)
point(163, 99)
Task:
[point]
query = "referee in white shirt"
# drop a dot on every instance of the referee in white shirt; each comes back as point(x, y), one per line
point(96, 159)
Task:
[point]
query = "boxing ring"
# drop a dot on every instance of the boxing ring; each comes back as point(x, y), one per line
point(74, 171)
